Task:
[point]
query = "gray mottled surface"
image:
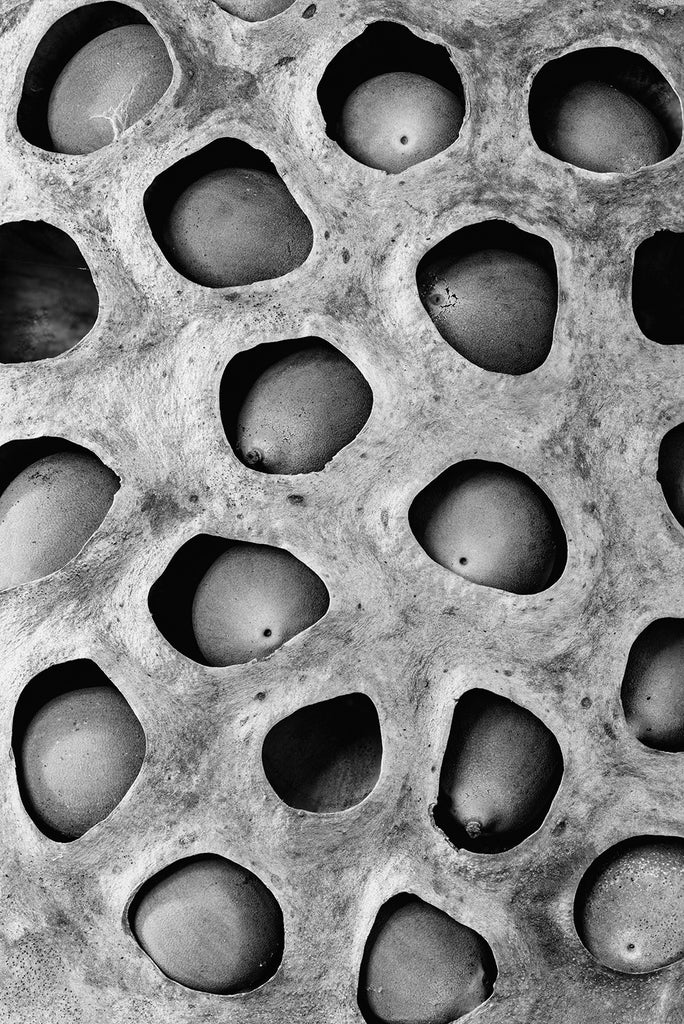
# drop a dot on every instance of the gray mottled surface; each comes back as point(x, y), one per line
point(141, 391)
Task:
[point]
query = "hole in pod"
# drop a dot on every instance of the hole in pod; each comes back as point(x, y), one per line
point(226, 602)
point(48, 301)
point(653, 685)
point(97, 71)
point(290, 406)
point(254, 10)
point(491, 291)
point(605, 109)
point(657, 293)
point(223, 217)
point(496, 518)
point(327, 756)
point(421, 965)
point(391, 99)
point(501, 769)
point(78, 748)
point(209, 924)
point(670, 473)
point(629, 907)
point(53, 497)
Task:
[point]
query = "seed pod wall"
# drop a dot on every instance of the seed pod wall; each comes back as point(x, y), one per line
point(192, 214)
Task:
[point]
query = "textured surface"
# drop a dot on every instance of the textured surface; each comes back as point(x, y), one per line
point(141, 392)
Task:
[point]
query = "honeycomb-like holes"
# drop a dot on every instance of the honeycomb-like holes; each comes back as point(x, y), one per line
point(209, 924)
point(670, 473)
point(456, 523)
point(60, 43)
point(652, 690)
point(254, 10)
point(168, 187)
point(290, 446)
point(494, 749)
point(421, 965)
point(382, 48)
point(629, 72)
point(48, 301)
point(172, 596)
point(21, 535)
point(67, 789)
point(514, 337)
point(627, 909)
point(325, 757)
point(657, 293)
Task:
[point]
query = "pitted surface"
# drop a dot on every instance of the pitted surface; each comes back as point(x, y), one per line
point(141, 392)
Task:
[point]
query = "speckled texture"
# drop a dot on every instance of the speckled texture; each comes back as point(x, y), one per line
point(141, 392)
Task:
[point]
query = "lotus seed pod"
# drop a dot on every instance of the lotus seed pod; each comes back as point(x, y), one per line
point(496, 308)
point(491, 525)
point(399, 119)
point(49, 511)
point(500, 772)
point(210, 924)
point(423, 967)
point(235, 226)
point(325, 757)
point(603, 129)
point(301, 411)
point(252, 600)
point(79, 755)
point(653, 686)
point(629, 909)
point(109, 85)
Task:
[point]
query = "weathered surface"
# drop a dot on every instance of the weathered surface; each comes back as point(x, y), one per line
point(141, 392)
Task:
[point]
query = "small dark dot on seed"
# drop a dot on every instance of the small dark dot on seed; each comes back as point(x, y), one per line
point(630, 945)
point(463, 561)
point(267, 632)
point(404, 140)
point(586, 702)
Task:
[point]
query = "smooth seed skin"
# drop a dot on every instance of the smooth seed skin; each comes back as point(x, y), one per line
point(423, 967)
point(236, 226)
point(491, 526)
point(501, 769)
point(399, 119)
point(496, 308)
point(49, 511)
point(79, 756)
point(254, 10)
point(251, 601)
point(603, 129)
point(302, 410)
point(210, 925)
point(109, 85)
point(653, 686)
point(629, 910)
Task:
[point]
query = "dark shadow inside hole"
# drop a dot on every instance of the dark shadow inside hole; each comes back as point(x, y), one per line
point(327, 756)
point(162, 194)
point(425, 503)
point(655, 673)
point(244, 369)
point(383, 47)
point(16, 456)
point(657, 289)
point(171, 596)
point(670, 473)
point(60, 43)
point(476, 714)
point(48, 301)
point(629, 72)
point(491, 234)
point(52, 682)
